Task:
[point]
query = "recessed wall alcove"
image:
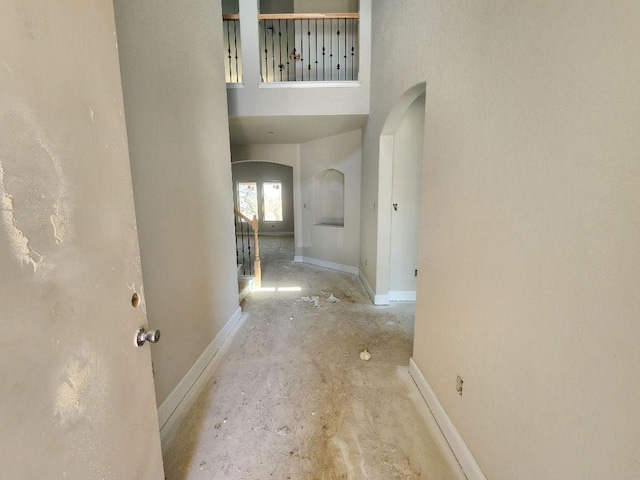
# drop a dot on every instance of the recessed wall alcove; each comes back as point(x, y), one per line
point(328, 194)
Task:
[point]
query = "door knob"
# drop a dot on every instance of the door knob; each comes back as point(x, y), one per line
point(152, 336)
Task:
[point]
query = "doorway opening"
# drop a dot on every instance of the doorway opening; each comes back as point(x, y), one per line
point(265, 190)
point(399, 198)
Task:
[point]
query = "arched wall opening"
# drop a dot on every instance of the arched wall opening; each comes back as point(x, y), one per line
point(273, 183)
point(399, 194)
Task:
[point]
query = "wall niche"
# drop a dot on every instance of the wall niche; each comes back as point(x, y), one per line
point(328, 195)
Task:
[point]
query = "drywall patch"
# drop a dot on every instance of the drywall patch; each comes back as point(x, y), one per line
point(33, 194)
point(18, 243)
point(80, 393)
point(79, 388)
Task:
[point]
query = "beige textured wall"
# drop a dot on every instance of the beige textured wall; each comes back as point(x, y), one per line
point(176, 113)
point(325, 6)
point(530, 224)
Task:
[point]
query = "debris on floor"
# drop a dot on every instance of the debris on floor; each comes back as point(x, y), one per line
point(315, 300)
point(309, 409)
point(333, 299)
point(364, 355)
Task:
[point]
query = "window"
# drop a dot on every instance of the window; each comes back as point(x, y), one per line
point(272, 196)
point(248, 199)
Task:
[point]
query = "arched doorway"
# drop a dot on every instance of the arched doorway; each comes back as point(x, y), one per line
point(399, 196)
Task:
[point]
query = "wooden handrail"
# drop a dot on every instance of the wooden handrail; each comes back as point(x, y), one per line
point(253, 223)
point(307, 16)
point(297, 16)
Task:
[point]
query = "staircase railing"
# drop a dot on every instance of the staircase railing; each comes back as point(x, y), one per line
point(242, 223)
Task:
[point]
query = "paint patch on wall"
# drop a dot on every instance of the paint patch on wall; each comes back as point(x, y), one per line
point(80, 388)
point(33, 195)
point(18, 243)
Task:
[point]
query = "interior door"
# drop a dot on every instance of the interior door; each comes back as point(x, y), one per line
point(76, 392)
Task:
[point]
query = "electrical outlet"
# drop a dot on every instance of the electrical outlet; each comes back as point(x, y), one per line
point(365, 262)
point(459, 383)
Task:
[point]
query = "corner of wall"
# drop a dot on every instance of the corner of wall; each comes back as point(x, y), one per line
point(464, 456)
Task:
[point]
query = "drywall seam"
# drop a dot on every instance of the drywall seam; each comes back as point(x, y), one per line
point(176, 399)
point(402, 296)
point(322, 263)
point(468, 463)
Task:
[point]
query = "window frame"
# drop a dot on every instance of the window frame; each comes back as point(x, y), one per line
point(257, 197)
point(264, 214)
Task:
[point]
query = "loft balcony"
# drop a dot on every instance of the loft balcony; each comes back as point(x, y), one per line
point(288, 64)
point(315, 47)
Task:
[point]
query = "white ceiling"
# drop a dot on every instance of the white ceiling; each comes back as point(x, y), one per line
point(290, 129)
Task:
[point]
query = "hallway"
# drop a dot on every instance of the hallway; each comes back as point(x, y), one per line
point(291, 398)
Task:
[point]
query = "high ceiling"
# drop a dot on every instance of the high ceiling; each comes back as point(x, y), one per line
point(290, 129)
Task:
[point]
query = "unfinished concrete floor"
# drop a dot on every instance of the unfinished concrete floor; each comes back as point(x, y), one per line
point(290, 397)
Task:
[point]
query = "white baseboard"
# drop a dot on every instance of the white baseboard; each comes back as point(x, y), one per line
point(381, 300)
point(376, 299)
point(366, 285)
point(399, 296)
point(175, 398)
point(325, 264)
point(469, 465)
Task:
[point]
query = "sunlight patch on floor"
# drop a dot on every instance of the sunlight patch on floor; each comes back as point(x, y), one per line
point(276, 289)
